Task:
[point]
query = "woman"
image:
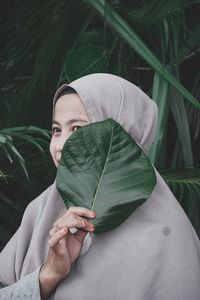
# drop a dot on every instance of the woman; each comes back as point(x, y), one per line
point(154, 254)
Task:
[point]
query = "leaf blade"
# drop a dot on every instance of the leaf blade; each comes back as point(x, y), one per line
point(102, 168)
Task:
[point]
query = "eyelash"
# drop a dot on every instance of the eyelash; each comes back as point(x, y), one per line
point(58, 130)
point(77, 128)
point(55, 130)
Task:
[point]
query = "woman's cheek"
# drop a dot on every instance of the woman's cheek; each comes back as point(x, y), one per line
point(52, 149)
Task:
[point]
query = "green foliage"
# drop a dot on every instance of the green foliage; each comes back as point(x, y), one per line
point(103, 169)
point(23, 133)
point(185, 184)
point(159, 94)
point(128, 34)
point(156, 11)
point(95, 56)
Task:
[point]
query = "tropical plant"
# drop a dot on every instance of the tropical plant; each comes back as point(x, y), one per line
point(23, 133)
point(153, 44)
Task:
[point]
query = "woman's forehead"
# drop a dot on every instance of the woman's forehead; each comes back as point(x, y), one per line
point(69, 106)
point(63, 90)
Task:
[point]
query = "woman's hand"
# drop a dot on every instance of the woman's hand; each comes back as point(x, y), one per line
point(64, 247)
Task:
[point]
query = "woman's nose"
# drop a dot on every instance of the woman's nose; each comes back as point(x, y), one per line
point(59, 147)
point(61, 142)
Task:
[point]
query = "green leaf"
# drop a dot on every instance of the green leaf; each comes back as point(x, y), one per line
point(102, 168)
point(23, 133)
point(185, 184)
point(156, 10)
point(84, 61)
point(159, 95)
point(193, 39)
point(180, 116)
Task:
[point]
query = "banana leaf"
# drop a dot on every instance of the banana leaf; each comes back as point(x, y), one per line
point(103, 169)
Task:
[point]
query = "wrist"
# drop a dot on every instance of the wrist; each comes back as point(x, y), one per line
point(48, 281)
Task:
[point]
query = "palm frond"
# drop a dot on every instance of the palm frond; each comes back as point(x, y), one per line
point(9, 135)
point(193, 39)
point(10, 151)
point(159, 95)
point(91, 55)
point(180, 117)
point(155, 11)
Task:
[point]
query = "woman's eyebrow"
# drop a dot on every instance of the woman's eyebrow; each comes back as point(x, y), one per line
point(77, 120)
point(55, 122)
point(70, 121)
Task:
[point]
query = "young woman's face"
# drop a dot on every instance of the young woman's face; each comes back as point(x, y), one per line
point(69, 115)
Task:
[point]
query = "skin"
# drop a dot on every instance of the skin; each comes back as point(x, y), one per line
point(65, 247)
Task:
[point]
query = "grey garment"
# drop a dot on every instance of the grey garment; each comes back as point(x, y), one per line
point(108, 96)
point(26, 288)
point(19, 280)
point(154, 254)
point(27, 249)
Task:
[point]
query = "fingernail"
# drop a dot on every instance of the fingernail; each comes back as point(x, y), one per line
point(65, 229)
point(92, 227)
point(93, 214)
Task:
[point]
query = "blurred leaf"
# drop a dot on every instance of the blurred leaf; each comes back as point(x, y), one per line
point(159, 95)
point(179, 112)
point(185, 184)
point(24, 133)
point(43, 42)
point(129, 35)
point(85, 61)
point(7, 146)
point(91, 55)
point(156, 10)
point(193, 39)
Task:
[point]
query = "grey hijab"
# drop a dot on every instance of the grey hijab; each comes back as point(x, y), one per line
point(109, 96)
point(153, 255)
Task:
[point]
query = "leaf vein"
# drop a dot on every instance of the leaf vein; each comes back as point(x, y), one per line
point(95, 196)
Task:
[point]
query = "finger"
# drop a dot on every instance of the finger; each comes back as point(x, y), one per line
point(53, 230)
point(87, 225)
point(78, 211)
point(82, 212)
point(73, 221)
point(54, 240)
point(80, 235)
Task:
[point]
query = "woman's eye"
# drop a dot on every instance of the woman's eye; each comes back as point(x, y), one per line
point(55, 130)
point(75, 128)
